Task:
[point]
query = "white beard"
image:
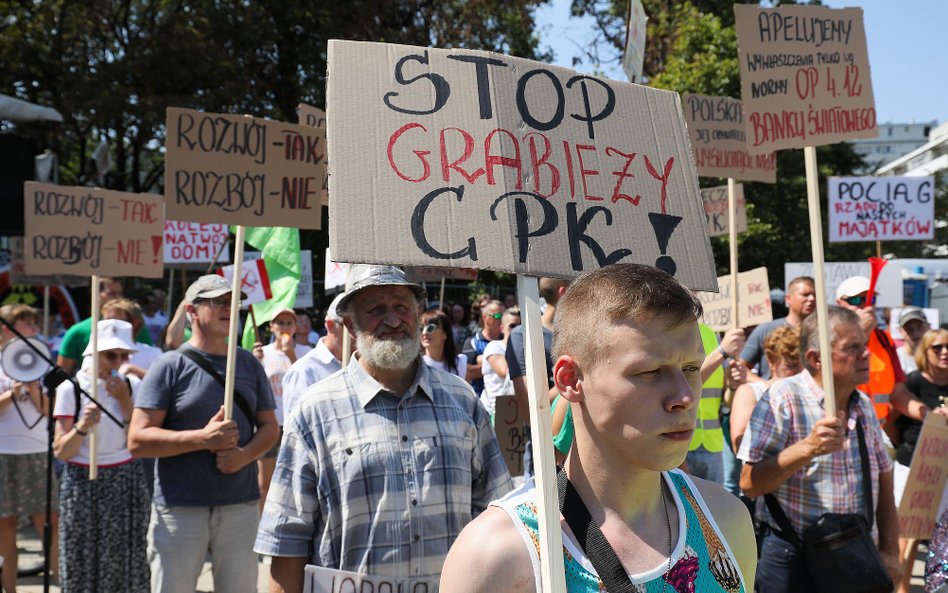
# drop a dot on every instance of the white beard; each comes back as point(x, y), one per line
point(391, 354)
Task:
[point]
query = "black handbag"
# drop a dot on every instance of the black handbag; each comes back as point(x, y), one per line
point(838, 548)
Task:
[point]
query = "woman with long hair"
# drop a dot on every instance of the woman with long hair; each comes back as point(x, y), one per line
point(437, 340)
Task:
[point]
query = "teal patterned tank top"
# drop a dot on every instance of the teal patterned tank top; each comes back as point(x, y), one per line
point(702, 561)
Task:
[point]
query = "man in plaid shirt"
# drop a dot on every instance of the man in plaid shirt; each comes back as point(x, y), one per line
point(811, 462)
point(385, 461)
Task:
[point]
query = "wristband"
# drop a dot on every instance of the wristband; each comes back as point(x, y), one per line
point(79, 431)
point(724, 352)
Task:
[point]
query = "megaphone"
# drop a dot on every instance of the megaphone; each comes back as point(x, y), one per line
point(22, 363)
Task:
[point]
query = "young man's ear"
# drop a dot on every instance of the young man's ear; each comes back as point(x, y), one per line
point(568, 378)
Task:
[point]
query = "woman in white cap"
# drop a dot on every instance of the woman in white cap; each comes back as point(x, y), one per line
point(103, 522)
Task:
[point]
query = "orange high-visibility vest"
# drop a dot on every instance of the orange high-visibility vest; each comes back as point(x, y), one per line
point(881, 377)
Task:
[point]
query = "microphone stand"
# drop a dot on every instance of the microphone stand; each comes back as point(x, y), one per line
point(53, 378)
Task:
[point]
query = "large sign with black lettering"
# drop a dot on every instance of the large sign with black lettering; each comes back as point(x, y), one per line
point(805, 77)
point(881, 209)
point(85, 231)
point(753, 301)
point(719, 140)
point(195, 242)
point(319, 579)
point(716, 206)
point(462, 158)
point(237, 169)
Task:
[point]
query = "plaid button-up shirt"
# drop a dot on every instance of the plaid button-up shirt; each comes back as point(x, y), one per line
point(371, 482)
point(830, 483)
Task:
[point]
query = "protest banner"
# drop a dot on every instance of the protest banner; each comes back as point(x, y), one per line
point(805, 77)
point(195, 242)
point(494, 162)
point(319, 579)
point(19, 276)
point(316, 118)
point(926, 480)
point(754, 289)
point(334, 274)
point(932, 316)
point(633, 59)
point(509, 428)
point(304, 292)
point(86, 231)
point(881, 208)
point(718, 140)
point(888, 286)
point(254, 281)
point(242, 170)
point(715, 209)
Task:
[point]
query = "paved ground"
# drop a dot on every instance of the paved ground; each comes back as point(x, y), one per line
point(31, 555)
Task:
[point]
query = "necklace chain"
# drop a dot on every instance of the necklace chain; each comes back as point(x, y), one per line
point(668, 524)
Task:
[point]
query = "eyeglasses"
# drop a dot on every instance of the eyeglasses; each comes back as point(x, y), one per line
point(859, 301)
point(938, 348)
point(113, 356)
point(496, 315)
point(219, 302)
point(430, 328)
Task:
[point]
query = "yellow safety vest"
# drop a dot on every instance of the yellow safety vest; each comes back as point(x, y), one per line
point(708, 433)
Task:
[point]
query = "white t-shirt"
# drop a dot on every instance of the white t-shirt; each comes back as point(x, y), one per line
point(907, 360)
point(441, 365)
point(145, 355)
point(275, 364)
point(494, 384)
point(16, 436)
point(155, 324)
point(111, 440)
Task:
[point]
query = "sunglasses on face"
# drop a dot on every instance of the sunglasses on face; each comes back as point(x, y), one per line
point(939, 348)
point(859, 301)
point(113, 356)
point(430, 328)
point(219, 302)
point(496, 315)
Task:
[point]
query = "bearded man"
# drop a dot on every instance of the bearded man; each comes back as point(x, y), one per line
point(386, 460)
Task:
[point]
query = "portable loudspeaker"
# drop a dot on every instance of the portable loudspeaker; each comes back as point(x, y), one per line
point(21, 363)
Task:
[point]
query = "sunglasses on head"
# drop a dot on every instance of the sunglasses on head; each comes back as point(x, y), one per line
point(859, 301)
point(496, 315)
point(938, 348)
point(113, 356)
point(430, 328)
point(219, 302)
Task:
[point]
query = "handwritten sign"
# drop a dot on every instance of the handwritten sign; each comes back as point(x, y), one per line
point(753, 300)
point(313, 117)
point(18, 275)
point(805, 77)
point(254, 281)
point(633, 59)
point(926, 480)
point(237, 169)
point(468, 159)
point(715, 209)
point(508, 425)
point(719, 141)
point(84, 231)
point(881, 208)
point(319, 579)
point(889, 286)
point(195, 242)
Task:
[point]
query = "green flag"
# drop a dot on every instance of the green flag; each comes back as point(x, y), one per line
point(281, 256)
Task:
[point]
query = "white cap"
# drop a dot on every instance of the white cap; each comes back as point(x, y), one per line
point(114, 334)
point(852, 286)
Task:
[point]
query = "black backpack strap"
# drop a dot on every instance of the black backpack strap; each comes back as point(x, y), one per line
point(239, 399)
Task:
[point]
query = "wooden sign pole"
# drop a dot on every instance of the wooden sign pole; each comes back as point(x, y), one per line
point(816, 240)
point(441, 299)
point(552, 568)
point(94, 388)
point(234, 318)
point(732, 244)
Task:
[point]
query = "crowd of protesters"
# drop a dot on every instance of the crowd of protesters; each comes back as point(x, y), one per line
point(380, 464)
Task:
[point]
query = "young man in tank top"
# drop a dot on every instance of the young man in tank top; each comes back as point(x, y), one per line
point(628, 355)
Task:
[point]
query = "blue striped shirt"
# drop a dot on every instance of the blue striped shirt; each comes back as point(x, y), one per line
point(375, 483)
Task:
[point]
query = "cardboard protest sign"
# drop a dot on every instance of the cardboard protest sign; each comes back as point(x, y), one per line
point(463, 158)
point(508, 426)
point(319, 579)
point(719, 141)
point(715, 209)
point(932, 316)
point(881, 208)
point(926, 480)
point(86, 231)
point(195, 242)
point(316, 118)
point(430, 274)
point(753, 297)
point(633, 59)
point(889, 285)
point(237, 169)
point(19, 276)
point(254, 281)
point(805, 77)
point(334, 274)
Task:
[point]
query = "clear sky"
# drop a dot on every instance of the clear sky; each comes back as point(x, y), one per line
point(906, 52)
